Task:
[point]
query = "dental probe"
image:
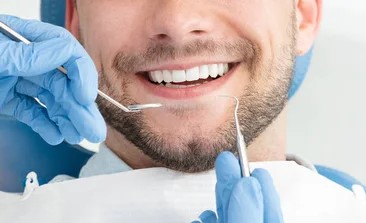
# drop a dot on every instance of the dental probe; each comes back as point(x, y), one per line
point(12, 34)
point(240, 141)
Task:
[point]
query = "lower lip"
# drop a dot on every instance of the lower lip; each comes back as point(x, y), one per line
point(188, 92)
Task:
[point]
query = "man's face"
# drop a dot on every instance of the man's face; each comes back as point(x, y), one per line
point(183, 54)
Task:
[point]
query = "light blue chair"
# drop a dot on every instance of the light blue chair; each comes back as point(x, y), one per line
point(22, 150)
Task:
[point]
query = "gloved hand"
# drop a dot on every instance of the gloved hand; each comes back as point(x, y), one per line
point(28, 71)
point(243, 200)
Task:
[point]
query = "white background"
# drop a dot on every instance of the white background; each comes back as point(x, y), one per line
point(327, 118)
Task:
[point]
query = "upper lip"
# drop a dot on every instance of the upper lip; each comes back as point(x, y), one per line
point(182, 66)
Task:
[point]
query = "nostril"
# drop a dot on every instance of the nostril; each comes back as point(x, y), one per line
point(161, 36)
point(198, 32)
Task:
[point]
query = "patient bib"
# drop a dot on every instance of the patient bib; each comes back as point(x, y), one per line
point(159, 195)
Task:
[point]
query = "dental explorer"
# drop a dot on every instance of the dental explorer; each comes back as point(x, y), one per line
point(240, 141)
point(12, 34)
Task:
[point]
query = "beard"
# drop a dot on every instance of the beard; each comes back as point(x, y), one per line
point(261, 102)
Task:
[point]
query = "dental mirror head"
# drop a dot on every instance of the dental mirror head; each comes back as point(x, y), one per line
point(140, 107)
point(129, 108)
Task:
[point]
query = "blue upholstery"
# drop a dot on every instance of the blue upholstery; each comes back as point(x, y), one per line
point(338, 176)
point(53, 11)
point(301, 68)
point(22, 150)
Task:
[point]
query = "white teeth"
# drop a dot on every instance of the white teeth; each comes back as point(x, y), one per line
point(152, 77)
point(158, 76)
point(204, 72)
point(221, 69)
point(193, 74)
point(213, 70)
point(179, 76)
point(167, 75)
point(226, 68)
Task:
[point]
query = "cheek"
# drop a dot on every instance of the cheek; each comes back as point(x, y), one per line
point(261, 21)
point(105, 34)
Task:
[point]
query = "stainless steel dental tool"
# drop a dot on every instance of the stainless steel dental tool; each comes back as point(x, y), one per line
point(240, 141)
point(12, 34)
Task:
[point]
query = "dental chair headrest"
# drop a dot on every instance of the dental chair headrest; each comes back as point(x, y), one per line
point(53, 11)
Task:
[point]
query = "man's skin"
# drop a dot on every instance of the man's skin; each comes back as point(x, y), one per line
point(258, 38)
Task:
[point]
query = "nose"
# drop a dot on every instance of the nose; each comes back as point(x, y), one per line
point(178, 21)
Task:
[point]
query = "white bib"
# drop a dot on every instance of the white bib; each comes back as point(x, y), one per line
point(159, 195)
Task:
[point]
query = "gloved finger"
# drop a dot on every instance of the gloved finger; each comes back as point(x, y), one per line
point(271, 199)
point(23, 60)
point(83, 76)
point(208, 217)
point(227, 168)
point(80, 84)
point(55, 112)
point(80, 121)
point(6, 86)
point(52, 47)
point(228, 174)
point(87, 119)
point(19, 59)
point(246, 202)
point(28, 111)
point(89, 122)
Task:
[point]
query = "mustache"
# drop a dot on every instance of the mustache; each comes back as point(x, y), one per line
point(243, 49)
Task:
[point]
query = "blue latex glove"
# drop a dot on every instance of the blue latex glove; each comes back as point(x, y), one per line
point(28, 71)
point(243, 200)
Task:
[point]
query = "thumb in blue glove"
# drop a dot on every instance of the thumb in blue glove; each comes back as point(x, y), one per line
point(252, 200)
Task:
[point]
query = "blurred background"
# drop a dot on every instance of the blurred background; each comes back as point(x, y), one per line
point(327, 117)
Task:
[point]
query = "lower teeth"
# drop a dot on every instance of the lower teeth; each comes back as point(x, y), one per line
point(171, 85)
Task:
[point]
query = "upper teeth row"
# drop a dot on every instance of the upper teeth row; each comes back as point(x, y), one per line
point(193, 74)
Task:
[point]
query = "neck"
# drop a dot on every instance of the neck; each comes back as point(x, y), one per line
point(126, 151)
point(269, 146)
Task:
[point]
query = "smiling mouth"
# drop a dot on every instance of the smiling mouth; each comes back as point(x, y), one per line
point(192, 77)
